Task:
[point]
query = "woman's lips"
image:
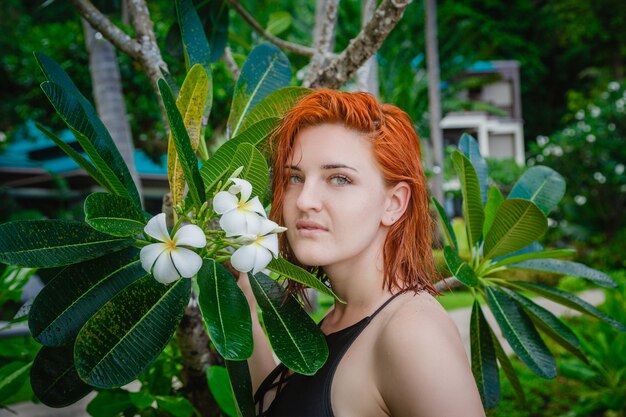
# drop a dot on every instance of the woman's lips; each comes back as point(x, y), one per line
point(308, 226)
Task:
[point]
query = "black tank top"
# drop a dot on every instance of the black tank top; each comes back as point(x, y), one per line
point(301, 395)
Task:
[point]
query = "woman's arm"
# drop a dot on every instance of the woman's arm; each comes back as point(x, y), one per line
point(262, 362)
point(423, 369)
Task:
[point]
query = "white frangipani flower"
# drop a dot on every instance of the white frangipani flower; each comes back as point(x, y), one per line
point(168, 260)
point(238, 214)
point(259, 246)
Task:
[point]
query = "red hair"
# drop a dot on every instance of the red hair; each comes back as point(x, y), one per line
point(407, 251)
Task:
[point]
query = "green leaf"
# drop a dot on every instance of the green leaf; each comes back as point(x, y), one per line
point(218, 167)
point(191, 105)
point(53, 72)
point(472, 204)
point(541, 185)
point(295, 273)
point(255, 169)
point(549, 324)
point(294, 337)
point(494, 201)
point(195, 44)
point(448, 232)
point(141, 399)
point(266, 70)
point(183, 145)
point(76, 292)
point(517, 224)
point(77, 157)
point(130, 331)
point(484, 366)
point(47, 243)
point(222, 390)
point(110, 403)
point(225, 311)
point(566, 299)
point(459, 268)
point(112, 214)
point(278, 23)
point(469, 147)
point(94, 138)
point(176, 406)
point(54, 378)
point(507, 367)
point(521, 334)
point(239, 376)
point(276, 104)
point(573, 269)
point(555, 253)
point(12, 377)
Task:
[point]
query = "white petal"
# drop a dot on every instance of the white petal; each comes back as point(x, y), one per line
point(269, 242)
point(263, 257)
point(157, 228)
point(246, 188)
point(234, 189)
point(164, 270)
point(190, 235)
point(246, 239)
point(224, 202)
point(266, 227)
point(149, 255)
point(243, 258)
point(279, 229)
point(234, 223)
point(255, 205)
point(186, 261)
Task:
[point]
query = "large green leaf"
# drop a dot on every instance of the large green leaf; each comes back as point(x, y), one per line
point(446, 226)
point(294, 337)
point(494, 200)
point(266, 70)
point(541, 185)
point(484, 366)
point(48, 243)
point(472, 203)
point(469, 147)
point(94, 138)
point(195, 44)
point(76, 156)
point(76, 292)
point(130, 331)
point(255, 168)
point(218, 167)
point(112, 214)
point(549, 324)
point(54, 378)
point(459, 268)
point(110, 403)
point(517, 224)
point(222, 390)
point(276, 104)
point(507, 367)
point(555, 253)
point(53, 72)
point(519, 331)
point(241, 384)
point(566, 299)
point(573, 269)
point(191, 102)
point(183, 145)
point(13, 376)
point(295, 273)
point(225, 311)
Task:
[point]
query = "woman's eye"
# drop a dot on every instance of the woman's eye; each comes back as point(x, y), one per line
point(340, 180)
point(295, 179)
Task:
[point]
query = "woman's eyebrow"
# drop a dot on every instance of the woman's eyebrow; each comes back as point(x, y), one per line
point(325, 166)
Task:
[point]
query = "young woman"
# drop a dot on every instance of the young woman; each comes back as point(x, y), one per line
point(349, 186)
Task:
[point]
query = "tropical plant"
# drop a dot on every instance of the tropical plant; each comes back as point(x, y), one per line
point(109, 309)
point(502, 236)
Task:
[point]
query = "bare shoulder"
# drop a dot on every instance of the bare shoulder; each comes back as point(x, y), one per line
point(421, 366)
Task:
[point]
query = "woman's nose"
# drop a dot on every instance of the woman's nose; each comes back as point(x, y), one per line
point(309, 197)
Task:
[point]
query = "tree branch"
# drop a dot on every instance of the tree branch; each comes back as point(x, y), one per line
point(102, 24)
point(363, 46)
point(324, 35)
point(447, 284)
point(231, 64)
point(286, 45)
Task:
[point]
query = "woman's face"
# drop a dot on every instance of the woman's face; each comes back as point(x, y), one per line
point(335, 199)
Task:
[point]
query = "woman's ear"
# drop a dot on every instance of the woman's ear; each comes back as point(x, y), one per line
point(397, 201)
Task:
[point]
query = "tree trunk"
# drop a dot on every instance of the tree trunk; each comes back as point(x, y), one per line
point(108, 96)
point(367, 75)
